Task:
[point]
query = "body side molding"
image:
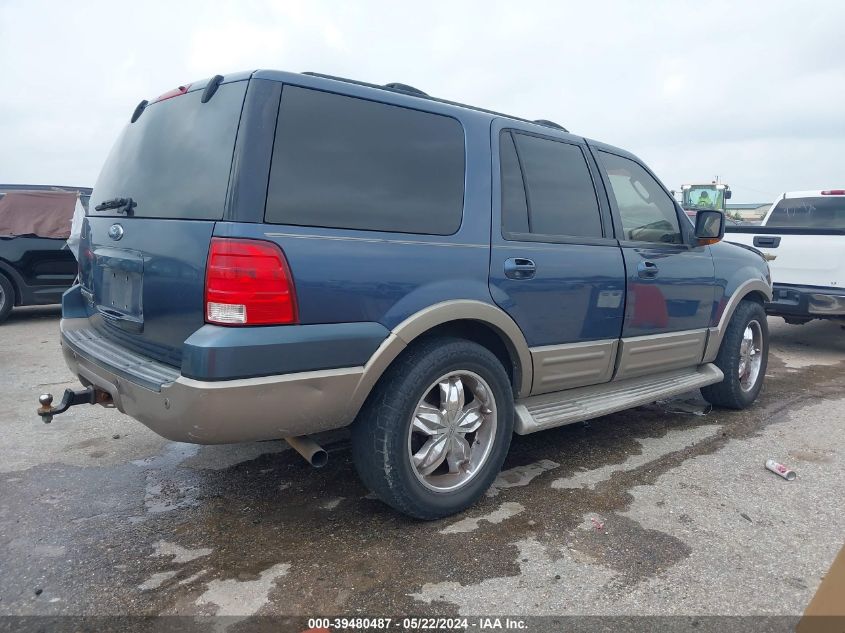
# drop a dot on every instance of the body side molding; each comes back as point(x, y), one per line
point(645, 355)
point(558, 367)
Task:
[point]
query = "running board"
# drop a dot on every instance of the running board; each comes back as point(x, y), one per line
point(549, 410)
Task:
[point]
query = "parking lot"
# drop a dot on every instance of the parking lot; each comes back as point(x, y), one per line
point(664, 509)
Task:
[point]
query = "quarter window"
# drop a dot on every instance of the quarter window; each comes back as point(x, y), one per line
point(349, 163)
point(647, 212)
point(514, 205)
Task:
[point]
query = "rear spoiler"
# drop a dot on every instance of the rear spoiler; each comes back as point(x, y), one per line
point(208, 92)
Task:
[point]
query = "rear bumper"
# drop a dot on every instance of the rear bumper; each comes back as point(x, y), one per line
point(806, 301)
point(217, 412)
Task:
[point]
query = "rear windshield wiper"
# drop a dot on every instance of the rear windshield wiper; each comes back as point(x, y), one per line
point(123, 205)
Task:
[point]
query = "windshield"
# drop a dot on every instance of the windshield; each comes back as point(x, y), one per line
point(815, 213)
point(704, 197)
point(174, 161)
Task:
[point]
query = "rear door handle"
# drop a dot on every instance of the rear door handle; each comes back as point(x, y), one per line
point(520, 268)
point(647, 270)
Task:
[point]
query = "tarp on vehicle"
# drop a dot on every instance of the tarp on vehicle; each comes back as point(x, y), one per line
point(39, 213)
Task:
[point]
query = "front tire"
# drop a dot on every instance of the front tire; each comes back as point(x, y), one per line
point(7, 297)
point(743, 358)
point(434, 433)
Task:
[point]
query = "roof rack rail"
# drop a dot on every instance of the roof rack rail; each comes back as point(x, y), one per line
point(548, 123)
point(394, 86)
point(405, 88)
point(414, 92)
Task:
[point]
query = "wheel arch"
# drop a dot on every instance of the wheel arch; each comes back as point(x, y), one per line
point(754, 289)
point(14, 279)
point(481, 322)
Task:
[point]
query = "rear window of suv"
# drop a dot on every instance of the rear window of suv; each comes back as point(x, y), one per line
point(343, 162)
point(809, 213)
point(174, 161)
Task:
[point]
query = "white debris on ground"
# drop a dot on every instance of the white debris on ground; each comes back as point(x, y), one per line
point(593, 522)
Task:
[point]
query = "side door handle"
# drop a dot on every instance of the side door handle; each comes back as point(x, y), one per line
point(766, 242)
point(520, 268)
point(647, 270)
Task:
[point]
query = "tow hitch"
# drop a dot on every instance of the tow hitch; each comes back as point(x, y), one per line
point(71, 398)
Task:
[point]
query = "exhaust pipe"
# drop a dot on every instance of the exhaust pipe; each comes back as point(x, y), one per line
point(312, 452)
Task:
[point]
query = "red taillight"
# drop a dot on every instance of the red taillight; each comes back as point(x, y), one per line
point(834, 192)
point(248, 282)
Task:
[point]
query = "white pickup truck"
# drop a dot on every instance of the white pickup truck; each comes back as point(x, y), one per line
point(803, 239)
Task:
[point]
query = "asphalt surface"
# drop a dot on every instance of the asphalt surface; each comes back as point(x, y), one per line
point(665, 509)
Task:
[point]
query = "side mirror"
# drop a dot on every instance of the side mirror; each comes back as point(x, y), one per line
point(709, 226)
point(727, 194)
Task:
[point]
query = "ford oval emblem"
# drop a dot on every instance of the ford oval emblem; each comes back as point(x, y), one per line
point(115, 231)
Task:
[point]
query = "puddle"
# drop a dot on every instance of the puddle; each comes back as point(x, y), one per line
point(180, 554)
point(505, 511)
point(156, 580)
point(652, 448)
point(520, 476)
point(235, 597)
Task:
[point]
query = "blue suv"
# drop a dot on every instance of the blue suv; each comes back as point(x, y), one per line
point(271, 255)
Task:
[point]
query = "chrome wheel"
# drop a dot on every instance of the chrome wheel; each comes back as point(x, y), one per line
point(452, 432)
point(750, 355)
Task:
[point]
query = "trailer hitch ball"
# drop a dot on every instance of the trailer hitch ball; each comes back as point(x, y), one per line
point(71, 398)
point(46, 402)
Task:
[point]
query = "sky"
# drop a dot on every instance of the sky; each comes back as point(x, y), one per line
point(753, 92)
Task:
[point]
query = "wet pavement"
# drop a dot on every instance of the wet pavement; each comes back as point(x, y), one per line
point(662, 509)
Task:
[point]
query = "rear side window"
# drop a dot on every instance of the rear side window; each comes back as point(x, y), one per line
point(349, 163)
point(553, 194)
point(174, 161)
point(810, 213)
point(647, 212)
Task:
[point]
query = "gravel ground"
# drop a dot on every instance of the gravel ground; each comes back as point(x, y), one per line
point(659, 510)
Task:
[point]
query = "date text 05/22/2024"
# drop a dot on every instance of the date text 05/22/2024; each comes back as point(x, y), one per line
point(415, 624)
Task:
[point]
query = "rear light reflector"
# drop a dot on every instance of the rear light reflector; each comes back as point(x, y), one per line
point(834, 192)
point(248, 282)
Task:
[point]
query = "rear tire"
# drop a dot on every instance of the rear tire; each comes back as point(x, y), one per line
point(435, 431)
point(743, 358)
point(7, 297)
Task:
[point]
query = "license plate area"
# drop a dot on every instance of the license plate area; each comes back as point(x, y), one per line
point(120, 291)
